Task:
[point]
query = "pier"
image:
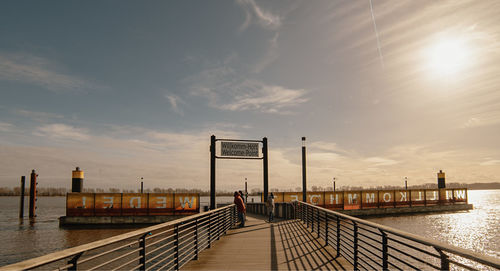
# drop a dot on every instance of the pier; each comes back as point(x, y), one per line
point(304, 237)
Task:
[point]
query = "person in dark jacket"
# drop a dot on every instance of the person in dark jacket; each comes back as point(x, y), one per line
point(241, 208)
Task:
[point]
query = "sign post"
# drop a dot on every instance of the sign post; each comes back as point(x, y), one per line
point(237, 149)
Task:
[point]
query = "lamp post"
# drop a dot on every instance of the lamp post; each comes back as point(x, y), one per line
point(304, 183)
point(334, 184)
point(142, 185)
point(406, 183)
point(246, 191)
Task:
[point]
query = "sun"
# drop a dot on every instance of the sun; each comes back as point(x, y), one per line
point(448, 57)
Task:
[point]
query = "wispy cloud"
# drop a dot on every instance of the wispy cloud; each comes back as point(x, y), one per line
point(175, 103)
point(262, 17)
point(490, 163)
point(380, 161)
point(40, 71)
point(265, 98)
point(6, 127)
point(228, 90)
point(62, 131)
point(38, 116)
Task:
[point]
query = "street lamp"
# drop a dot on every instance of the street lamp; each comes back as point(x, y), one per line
point(142, 185)
point(334, 184)
point(304, 183)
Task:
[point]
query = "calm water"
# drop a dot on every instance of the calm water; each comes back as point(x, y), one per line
point(477, 229)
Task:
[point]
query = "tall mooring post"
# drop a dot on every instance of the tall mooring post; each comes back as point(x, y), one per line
point(77, 180)
point(33, 184)
point(21, 202)
point(265, 167)
point(441, 179)
point(304, 182)
point(441, 186)
point(212, 173)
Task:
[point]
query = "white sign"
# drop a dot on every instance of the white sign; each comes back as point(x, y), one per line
point(244, 149)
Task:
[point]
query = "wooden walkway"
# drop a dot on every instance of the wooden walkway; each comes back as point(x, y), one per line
point(284, 245)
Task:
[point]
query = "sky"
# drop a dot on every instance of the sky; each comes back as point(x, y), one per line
point(382, 90)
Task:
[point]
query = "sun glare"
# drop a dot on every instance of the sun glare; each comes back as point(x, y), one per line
point(448, 57)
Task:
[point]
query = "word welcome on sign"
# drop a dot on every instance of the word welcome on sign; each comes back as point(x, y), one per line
point(347, 200)
point(131, 204)
point(239, 149)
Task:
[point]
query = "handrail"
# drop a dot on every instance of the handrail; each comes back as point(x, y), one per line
point(221, 226)
point(310, 215)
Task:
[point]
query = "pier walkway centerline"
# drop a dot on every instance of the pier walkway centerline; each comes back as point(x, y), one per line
point(282, 245)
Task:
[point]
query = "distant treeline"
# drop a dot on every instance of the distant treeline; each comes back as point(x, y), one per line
point(52, 191)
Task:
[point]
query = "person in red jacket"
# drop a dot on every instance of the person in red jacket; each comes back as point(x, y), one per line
point(240, 205)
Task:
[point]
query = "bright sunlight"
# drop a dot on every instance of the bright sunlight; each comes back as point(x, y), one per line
point(448, 57)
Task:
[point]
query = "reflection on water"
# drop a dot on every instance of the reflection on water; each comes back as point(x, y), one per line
point(476, 229)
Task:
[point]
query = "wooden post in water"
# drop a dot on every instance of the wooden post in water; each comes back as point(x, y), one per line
point(33, 184)
point(21, 202)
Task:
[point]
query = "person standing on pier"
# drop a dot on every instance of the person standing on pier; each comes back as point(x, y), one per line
point(270, 207)
point(241, 208)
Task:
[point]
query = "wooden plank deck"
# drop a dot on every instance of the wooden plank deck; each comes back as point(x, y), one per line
point(283, 245)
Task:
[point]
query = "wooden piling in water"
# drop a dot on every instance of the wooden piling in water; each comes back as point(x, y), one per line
point(21, 201)
point(33, 184)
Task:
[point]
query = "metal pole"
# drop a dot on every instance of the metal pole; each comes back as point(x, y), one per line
point(406, 183)
point(333, 184)
point(33, 193)
point(246, 191)
point(212, 173)
point(142, 186)
point(265, 166)
point(21, 203)
point(304, 183)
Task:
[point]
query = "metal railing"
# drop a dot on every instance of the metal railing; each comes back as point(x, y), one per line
point(166, 246)
point(371, 246)
point(283, 210)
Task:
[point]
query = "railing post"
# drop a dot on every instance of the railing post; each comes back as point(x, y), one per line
point(338, 236)
point(227, 218)
point(74, 261)
point(385, 254)
point(445, 262)
point(196, 240)
point(210, 230)
point(318, 222)
point(176, 255)
point(142, 252)
point(307, 215)
point(326, 228)
point(218, 225)
point(355, 246)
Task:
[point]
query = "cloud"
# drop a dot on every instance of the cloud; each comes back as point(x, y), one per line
point(264, 18)
point(38, 116)
point(41, 72)
point(380, 161)
point(270, 56)
point(175, 102)
point(62, 131)
point(490, 163)
point(228, 90)
point(265, 98)
point(6, 127)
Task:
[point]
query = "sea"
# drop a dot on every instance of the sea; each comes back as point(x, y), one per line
point(477, 230)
